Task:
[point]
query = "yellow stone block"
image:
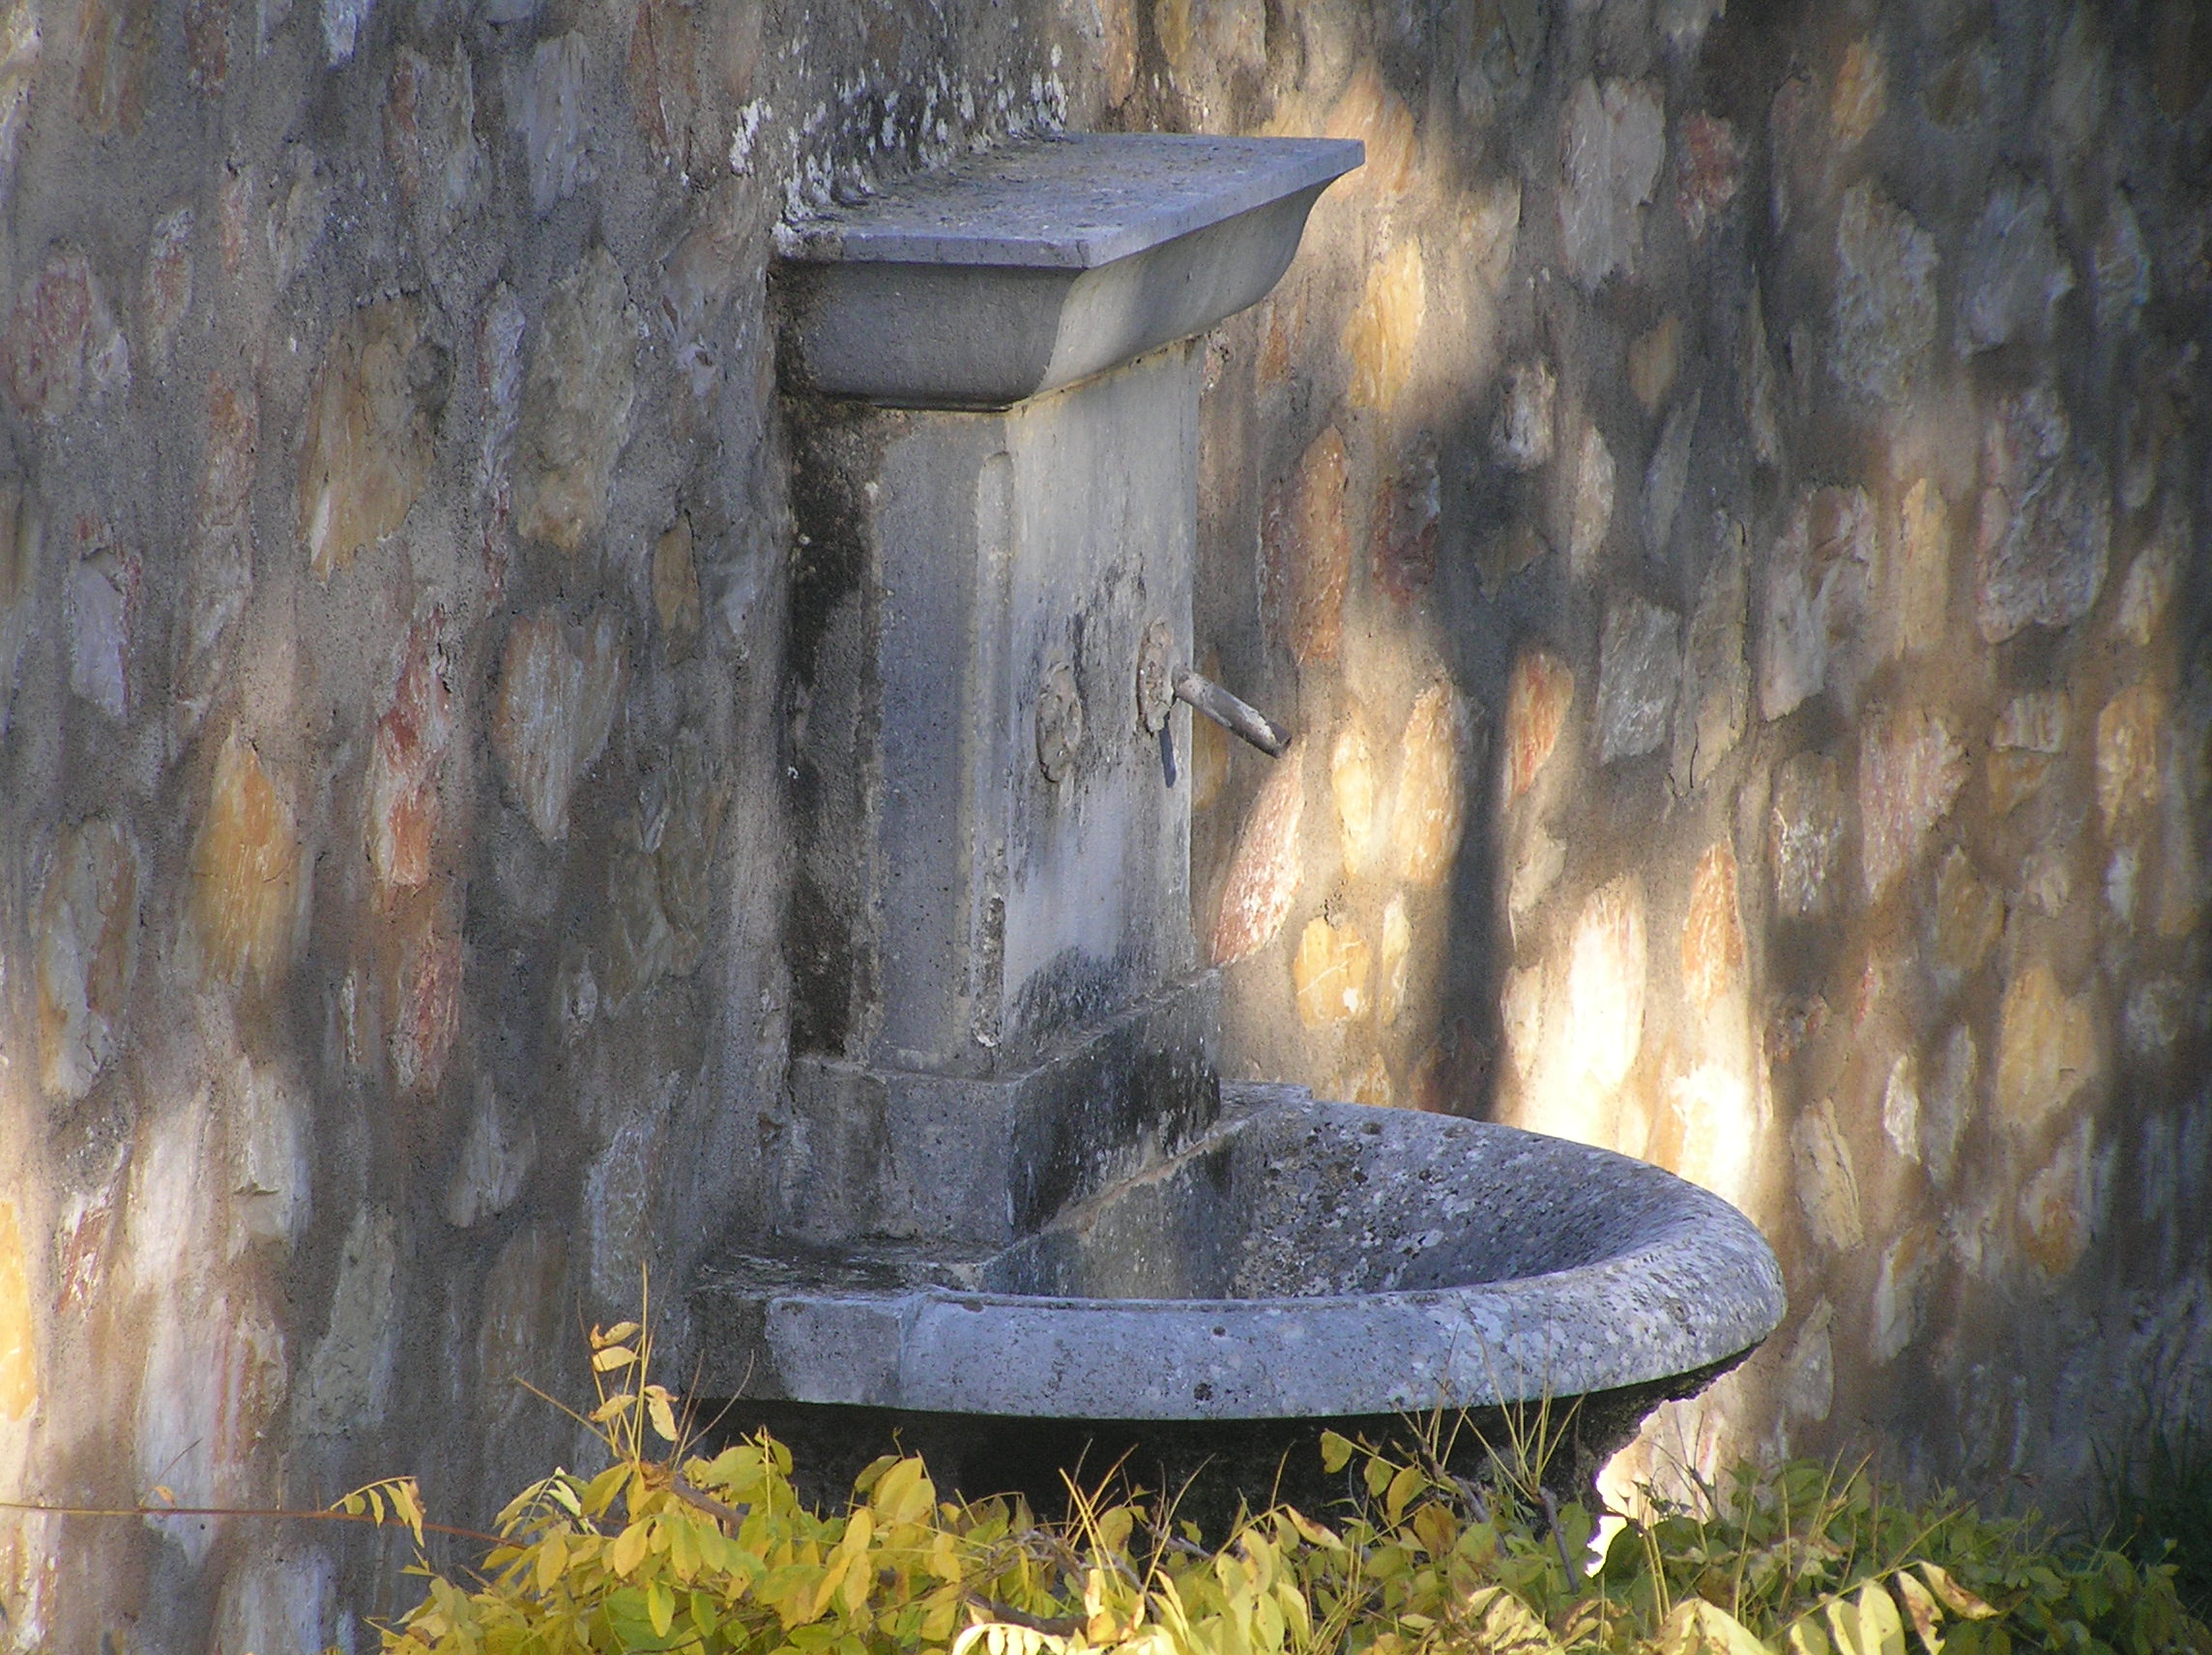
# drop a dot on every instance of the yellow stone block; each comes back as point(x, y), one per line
point(18, 1325)
point(245, 895)
point(1329, 974)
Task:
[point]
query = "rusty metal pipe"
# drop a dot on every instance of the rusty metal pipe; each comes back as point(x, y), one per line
point(1239, 717)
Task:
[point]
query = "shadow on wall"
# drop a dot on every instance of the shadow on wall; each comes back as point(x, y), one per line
point(1724, 498)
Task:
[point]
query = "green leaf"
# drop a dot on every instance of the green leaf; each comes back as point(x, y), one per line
point(660, 1608)
point(1335, 1452)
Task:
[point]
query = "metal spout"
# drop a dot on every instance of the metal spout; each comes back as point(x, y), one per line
point(1237, 716)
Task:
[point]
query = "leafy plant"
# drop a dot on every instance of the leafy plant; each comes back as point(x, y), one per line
point(2160, 1504)
point(669, 1551)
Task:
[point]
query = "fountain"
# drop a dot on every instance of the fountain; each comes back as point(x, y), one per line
point(1016, 1209)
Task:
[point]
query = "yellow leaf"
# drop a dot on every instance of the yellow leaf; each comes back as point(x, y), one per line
point(612, 1408)
point(1927, 1615)
point(1697, 1626)
point(1807, 1638)
point(1843, 1623)
point(1377, 1477)
point(1405, 1487)
point(661, 1608)
point(1335, 1452)
point(621, 1333)
point(663, 1416)
point(164, 1494)
point(612, 1357)
point(902, 1494)
point(1881, 1631)
point(1952, 1595)
point(628, 1548)
point(552, 1559)
point(600, 1491)
point(1505, 1625)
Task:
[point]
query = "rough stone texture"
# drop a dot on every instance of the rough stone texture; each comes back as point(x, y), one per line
point(1384, 332)
point(1709, 171)
point(1639, 671)
point(248, 890)
point(1713, 934)
point(1805, 839)
point(2048, 1048)
point(558, 690)
point(2044, 528)
point(1431, 798)
point(367, 450)
point(1817, 586)
point(1536, 706)
point(576, 405)
point(1329, 972)
point(1910, 772)
point(2012, 272)
point(1307, 551)
point(1613, 143)
point(1885, 296)
point(88, 952)
point(1524, 416)
point(1265, 871)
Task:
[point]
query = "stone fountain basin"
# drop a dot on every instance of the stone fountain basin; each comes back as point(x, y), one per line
point(1301, 1260)
point(1030, 267)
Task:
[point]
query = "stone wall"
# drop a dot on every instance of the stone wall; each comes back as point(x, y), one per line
point(1721, 493)
point(391, 615)
point(1725, 494)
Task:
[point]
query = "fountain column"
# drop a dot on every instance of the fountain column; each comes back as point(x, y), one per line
point(993, 376)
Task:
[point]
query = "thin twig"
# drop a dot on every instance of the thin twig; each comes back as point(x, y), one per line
point(244, 1511)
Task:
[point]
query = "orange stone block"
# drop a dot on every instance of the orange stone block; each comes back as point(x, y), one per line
point(1352, 779)
point(1265, 868)
point(1306, 552)
point(1537, 703)
point(1432, 801)
point(113, 45)
point(2048, 1048)
point(245, 892)
point(1369, 110)
point(366, 454)
point(18, 1321)
point(2130, 732)
point(413, 736)
point(1384, 336)
point(1329, 973)
point(1712, 933)
point(425, 1000)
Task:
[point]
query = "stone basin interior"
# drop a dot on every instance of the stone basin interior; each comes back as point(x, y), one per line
point(1288, 1201)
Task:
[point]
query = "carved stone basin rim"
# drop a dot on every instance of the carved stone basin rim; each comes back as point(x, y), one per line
point(1302, 1260)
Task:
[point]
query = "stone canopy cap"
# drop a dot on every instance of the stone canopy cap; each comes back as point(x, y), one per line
point(1037, 264)
point(1071, 202)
